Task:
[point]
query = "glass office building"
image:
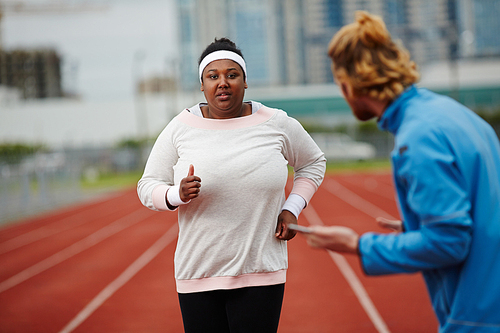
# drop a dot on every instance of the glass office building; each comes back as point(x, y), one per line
point(285, 41)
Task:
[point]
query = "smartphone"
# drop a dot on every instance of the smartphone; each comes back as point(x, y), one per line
point(300, 228)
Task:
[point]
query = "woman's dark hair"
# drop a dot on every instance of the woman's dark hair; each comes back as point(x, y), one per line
point(218, 45)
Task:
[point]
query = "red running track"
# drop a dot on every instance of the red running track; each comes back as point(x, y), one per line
point(107, 266)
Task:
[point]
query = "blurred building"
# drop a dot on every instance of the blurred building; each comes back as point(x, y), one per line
point(479, 27)
point(156, 85)
point(284, 41)
point(36, 73)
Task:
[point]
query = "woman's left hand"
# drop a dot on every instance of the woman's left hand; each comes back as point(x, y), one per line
point(282, 230)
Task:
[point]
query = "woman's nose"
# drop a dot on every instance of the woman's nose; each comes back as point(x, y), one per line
point(222, 81)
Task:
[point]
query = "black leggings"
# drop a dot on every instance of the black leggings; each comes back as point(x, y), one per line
point(250, 309)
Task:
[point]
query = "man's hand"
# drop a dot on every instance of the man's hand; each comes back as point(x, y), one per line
point(189, 188)
point(334, 238)
point(282, 230)
point(394, 225)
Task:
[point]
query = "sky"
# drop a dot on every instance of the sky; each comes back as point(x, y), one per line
point(104, 50)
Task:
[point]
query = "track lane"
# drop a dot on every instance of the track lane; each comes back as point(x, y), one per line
point(352, 279)
point(32, 223)
point(146, 303)
point(63, 291)
point(122, 279)
point(317, 296)
point(401, 299)
point(55, 226)
point(67, 285)
point(23, 258)
point(74, 249)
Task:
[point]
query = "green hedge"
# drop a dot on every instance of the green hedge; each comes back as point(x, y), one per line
point(15, 152)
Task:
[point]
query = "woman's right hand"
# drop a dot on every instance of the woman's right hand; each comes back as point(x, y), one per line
point(189, 188)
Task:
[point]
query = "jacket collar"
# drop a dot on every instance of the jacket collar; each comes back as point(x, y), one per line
point(393, 115)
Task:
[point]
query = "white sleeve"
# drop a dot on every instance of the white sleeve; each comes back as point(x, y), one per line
point(158, 174)
point(306, 158)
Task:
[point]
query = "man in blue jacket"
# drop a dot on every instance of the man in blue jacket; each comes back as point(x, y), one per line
point(446, 168)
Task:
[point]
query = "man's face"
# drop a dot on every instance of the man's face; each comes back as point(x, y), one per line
point(358, 104)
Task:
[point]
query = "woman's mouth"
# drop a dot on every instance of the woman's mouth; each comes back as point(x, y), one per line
point(223, 96)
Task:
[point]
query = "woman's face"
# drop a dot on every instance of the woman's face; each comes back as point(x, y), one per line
point(224, 87)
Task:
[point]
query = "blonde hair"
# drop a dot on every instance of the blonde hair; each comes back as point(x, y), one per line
point(364, 54)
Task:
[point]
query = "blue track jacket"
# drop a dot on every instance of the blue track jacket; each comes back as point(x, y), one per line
point(446, 166)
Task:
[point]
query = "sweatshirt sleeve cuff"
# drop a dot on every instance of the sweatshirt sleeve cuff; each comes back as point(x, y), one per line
point(158, 197)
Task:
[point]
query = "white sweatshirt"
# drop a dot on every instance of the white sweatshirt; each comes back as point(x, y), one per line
point(227, 234)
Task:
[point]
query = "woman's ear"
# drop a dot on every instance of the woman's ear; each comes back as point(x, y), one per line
point(201, 88)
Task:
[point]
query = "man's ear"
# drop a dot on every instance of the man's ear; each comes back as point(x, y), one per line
point(346, 89)
point(343, 88)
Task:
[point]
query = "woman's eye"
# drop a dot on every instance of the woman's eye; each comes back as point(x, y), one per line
point(213, 77)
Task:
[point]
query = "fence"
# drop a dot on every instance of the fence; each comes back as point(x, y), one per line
point(46, 181)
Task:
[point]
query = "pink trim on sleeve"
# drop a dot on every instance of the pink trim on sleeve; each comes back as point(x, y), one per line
point(304, 187)
point(158, 197)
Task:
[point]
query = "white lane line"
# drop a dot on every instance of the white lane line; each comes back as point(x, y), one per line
point(355, 200)
point(371, 184)
point(121, 280)
point(51, 229)
point(42, 232)
point(89, 241)
point(351, 278)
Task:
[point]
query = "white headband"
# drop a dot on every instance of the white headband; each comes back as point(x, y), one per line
point(218, 55)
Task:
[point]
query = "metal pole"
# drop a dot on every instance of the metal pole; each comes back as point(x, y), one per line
point(140, 109)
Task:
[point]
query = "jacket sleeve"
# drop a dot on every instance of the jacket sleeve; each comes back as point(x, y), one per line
point(307, 160)
point(158, 174)
point(433, 197)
